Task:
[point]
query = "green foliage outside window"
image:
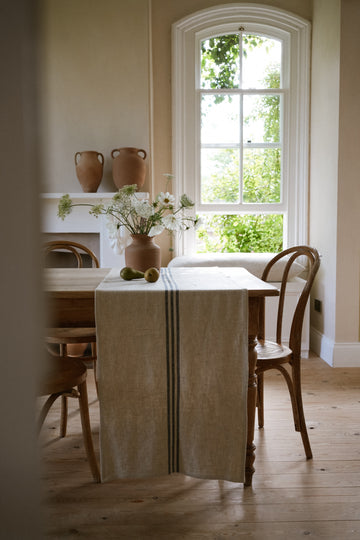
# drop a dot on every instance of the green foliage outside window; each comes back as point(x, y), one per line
point(250, 233)
point(261, 166)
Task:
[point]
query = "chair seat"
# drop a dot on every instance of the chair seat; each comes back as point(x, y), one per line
point(62, 374)
point(62, 377)
point(269, 350)
point(70, 335)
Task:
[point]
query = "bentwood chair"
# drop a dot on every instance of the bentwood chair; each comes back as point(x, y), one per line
point(71, 342)
point(276, 355)
point(66, 377)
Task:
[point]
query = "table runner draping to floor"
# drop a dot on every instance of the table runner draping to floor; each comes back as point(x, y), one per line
point(173, 374)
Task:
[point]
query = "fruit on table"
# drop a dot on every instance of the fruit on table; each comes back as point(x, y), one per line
point(152, 275)
point(130, 273)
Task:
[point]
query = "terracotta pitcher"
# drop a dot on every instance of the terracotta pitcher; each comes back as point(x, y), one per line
point(89, 169)
point(128, 166)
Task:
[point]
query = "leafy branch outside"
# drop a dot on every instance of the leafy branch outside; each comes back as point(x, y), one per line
point(261, 166)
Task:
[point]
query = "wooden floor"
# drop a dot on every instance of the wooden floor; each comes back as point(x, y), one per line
point(291, 498)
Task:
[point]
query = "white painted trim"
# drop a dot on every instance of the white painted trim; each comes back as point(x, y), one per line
point(337, 355)
point(184, 140)
point(151, 103)
point(346, 355)
point(321, 345)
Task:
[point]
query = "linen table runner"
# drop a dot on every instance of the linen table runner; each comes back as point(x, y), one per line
point(173, 374)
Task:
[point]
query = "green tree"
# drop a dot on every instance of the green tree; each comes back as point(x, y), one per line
point(219, 62)
point(261, 167)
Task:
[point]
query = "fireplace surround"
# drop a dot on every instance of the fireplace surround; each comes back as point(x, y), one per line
point(80, 226)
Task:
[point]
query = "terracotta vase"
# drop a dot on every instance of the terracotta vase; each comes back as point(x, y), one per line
point(89, 169)
point(128, 167)
point(142, 253)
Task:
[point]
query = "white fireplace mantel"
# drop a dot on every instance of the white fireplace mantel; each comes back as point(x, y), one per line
point(80, 221)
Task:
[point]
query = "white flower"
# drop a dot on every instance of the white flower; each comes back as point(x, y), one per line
point(118, 237)
point(143, 208)
point(172, 222)
point(166, 199)
point(156, 229)
point(129, 214)
point(186, 202)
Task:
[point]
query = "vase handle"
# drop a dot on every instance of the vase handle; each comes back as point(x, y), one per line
point(141, 150)
point(102, 160)
point(76, 155)
point(115, 150)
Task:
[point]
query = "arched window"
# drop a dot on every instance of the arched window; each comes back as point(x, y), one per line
point(240, 126)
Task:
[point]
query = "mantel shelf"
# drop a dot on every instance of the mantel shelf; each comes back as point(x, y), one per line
point(82, 195)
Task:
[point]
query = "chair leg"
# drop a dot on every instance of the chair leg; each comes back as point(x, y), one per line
point(294, 386)
point(64, 404)
point(94, 355)
point(292, 391)
point(86, 428)
point(45, 409)
point(260, 399)
point(64, 415)
point(300, 411)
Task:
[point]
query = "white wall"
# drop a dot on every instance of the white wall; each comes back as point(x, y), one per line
point(94, 84)
point(334, 179)
point(325, 80)
point(348, 246)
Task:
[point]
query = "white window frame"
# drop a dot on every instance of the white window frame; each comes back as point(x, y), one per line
point(294, 31)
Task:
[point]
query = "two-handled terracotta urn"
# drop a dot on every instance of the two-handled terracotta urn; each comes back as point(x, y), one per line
point(89, 169)
point(128, 166)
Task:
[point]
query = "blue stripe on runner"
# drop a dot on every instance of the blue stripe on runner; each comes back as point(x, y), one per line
point(168, 375)
point(176, 369)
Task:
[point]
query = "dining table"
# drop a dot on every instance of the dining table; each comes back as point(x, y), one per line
point(176, 366)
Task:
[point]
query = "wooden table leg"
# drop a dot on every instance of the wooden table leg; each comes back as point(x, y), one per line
point(252, 390)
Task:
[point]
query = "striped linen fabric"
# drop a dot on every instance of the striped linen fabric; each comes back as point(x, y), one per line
point(173, 374)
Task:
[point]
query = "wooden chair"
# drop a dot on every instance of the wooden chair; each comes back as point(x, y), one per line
point(278, 356)
point(72, 342)
point(61, 377)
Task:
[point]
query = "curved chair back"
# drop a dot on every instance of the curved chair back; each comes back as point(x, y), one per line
point(313, 263)
point(72, 247)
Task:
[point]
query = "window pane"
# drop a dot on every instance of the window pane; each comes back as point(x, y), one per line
point(261, 119)
point(262, 175)
point(220, 62)
point(261, 59)
point(240, 233)
point(220, 175)
point(220, 119)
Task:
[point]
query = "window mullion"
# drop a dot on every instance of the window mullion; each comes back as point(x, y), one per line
point(241, 116)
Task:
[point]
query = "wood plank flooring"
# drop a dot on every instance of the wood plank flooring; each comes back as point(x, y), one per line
point(290, 498)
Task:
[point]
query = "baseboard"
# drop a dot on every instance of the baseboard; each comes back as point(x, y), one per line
point(335, 354)
point(321, 345)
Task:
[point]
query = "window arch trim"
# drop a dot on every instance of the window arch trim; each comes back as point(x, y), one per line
point(184, 35)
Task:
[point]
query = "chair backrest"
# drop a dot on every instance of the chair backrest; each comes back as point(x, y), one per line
point(313, 263)
point(78, 250)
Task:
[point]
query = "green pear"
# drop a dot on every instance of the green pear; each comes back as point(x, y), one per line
point(130, 273)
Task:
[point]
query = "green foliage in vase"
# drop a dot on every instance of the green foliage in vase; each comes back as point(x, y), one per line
point(137, 215)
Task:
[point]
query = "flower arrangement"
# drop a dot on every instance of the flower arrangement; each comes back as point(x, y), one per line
point(137, 216)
